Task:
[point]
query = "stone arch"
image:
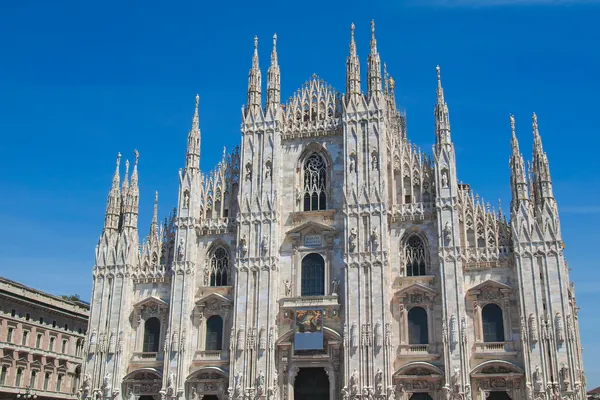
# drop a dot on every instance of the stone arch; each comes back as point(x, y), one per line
point(329, 334)
point(499, 365)
point(142, 382)
point(418, 377)
point(418, 368)
point(497, 377)
point(207, 380)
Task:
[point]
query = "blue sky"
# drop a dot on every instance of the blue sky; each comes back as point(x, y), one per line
point(80, 81)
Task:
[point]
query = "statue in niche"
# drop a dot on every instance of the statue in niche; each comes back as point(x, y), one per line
point(243, 245)
point(537, 378)
point(335, 286)
point(354, 335)
point(354, 382)
point(106, 385)
point(288, 288)
point(453, 330)
point(268, 170)
point(379, 381)
point(448, 233)
point(264, 245)
point(248, 172)
point(456, 379)
point(240, 338)
point(194, 393)
point(391, 393)
point(352, 239)
point(378, 334)
point(186, 199)
point(374, 161)
point(444, 179)
point(352, 163)
point(375, 239)
point(533, 331)
point(112, 342)
point(262, 339)
point(180, 250)
point(560, 328)
point(260, 381)
point(231, 340)
point(345, 395)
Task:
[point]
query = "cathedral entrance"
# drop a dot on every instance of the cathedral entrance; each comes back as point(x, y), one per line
point(146, 397)
point(498, 395)
point(311, 384)
point(210, 397)
point(421, 396)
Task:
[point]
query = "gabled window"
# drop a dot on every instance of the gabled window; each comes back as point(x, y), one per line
point(315, 183)
point(219, 267)
point(214, 333)
point(415, 256)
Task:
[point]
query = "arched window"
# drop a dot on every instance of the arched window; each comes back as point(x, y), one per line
point(151, 335)
point(315, 183)
point(313, 275)
point(417, 326)
point(3, 375)
point(46, 380)
point(214, 333)
point(18, 377)
point(493, 324)
point(219, 267)
point(416, 256)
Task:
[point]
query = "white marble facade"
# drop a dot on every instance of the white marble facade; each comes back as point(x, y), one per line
point(426, 291)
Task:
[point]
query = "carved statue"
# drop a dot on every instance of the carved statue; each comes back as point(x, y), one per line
point(351, 164)
point(570, 330)
point(264, 245)
point(248, 172)
point(186, 200)
point(335, 286)
point(444, 179)
point(375, 239)
point(448, 233)
point(533, 331)
point(272, 340)
point(106, 385)
point(261, 379)
point(374, 161)
point(268, 169)
point(528, 391)
point(194, 393)
point(391, 393)
point(379, 381)
point(243, 246)
point(453, 330)
point(354, 382)
point(93, 340)
point(112, 342)
point(120, 343)
point(262, 339)
point(232, 340)
point(240, 338)
point(352, 239)
point(344, 393)
point(354, 335)
point(463, 330)
point(288, 288)
point(388, 335)
point(378, 334)
point(456, 379)
point(238, 384)
point(85, 386)
point(560, 328)
point(180, 250)
point(537, 378)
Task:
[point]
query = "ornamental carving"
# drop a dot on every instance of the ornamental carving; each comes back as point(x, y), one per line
point(560, 328)
point(533, 329)
point(354, 335)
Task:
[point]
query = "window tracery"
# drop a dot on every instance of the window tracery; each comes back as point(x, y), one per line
point(219, 267)
point(415, 256)
point(315, 183)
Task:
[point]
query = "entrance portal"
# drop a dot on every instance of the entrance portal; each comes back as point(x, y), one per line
point(311, 384)
point(498, 396)
point(210, 397)
point(146, 397)
point(421, 396)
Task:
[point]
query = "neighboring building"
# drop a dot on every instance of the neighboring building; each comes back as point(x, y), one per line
point(594, 394)
point(328, 257)
point(41, 343)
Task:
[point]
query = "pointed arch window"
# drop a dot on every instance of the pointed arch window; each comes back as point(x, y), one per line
point(492, 323)
point(417, 326)
point(313, 275)
point(214, 333)
point(219, 267)
point(416, 256)
point(151, 335)
point(315, 183)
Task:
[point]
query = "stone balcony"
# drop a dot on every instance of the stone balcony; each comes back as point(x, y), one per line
point(330, 304)
point(412, 211)
point(142, 357)
point(494, 349)
point(214, 225)
point(211, 355)
point(418, 351)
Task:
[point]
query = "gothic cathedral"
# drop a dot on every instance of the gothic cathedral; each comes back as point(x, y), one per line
point(329, 258)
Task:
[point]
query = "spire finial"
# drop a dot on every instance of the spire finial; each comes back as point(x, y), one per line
point(137, 156)
point(537, 140)
point(256, 42)
point(274, 51)
point(512, 124)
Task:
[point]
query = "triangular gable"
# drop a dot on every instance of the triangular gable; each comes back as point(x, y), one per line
point(7, 359)
point(213, 297)
point(416, 288)
point(36, 364)
point(490, 284)
point(317, 227)
point(149, 301)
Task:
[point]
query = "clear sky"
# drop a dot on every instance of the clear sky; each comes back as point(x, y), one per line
point(82, 80)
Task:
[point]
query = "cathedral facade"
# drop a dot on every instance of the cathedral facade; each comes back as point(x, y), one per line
point(329, 258)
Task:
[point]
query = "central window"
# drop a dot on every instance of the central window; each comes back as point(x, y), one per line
point(315, 183)
point(313, 275)
point(415, 255)
point(219, 267)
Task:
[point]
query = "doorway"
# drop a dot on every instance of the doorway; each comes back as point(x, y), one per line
point(498, 395)
point(421, 396)
point(210, 397)
point(311, 384)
